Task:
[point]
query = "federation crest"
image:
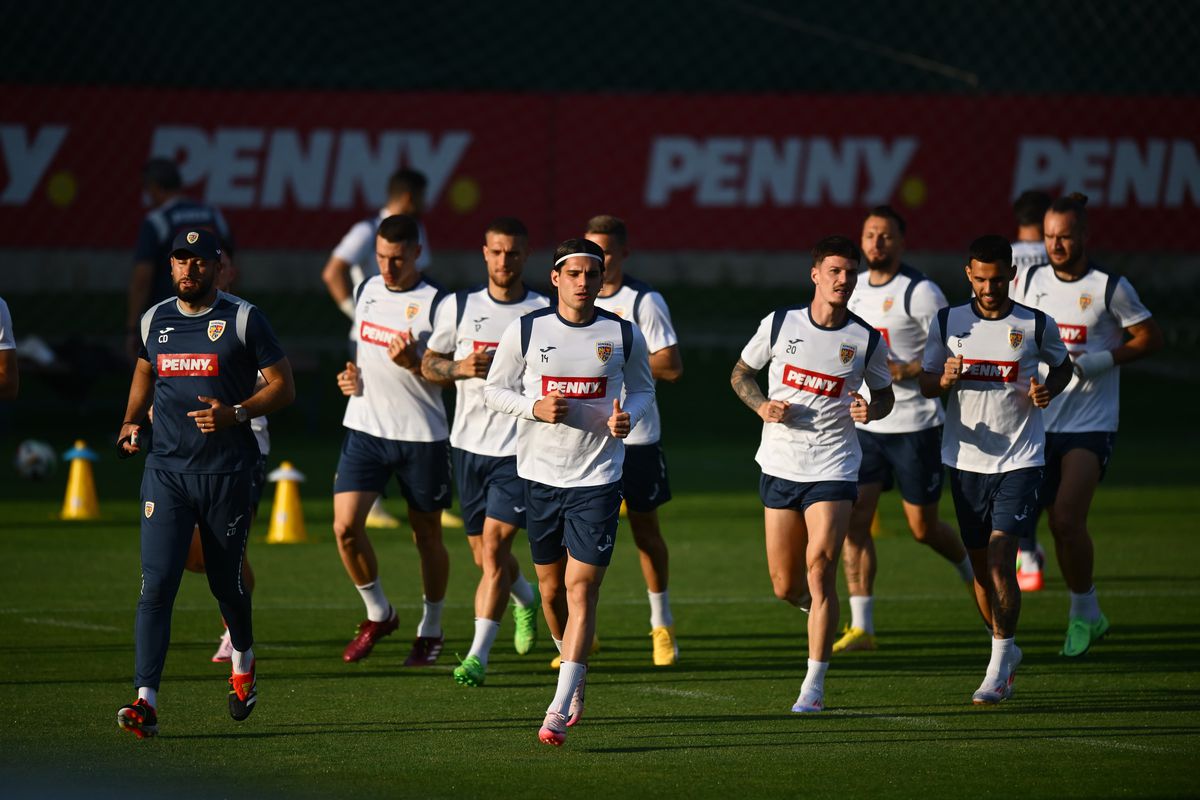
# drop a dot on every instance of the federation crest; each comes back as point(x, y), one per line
point(604, 351)
point(215, 329)
point(149, 509)
point(888, 302)
point(1085, 301)
point(619, 311)
point(1015, 337)
point(412, 310)
point(846, 353)
point(192, 238)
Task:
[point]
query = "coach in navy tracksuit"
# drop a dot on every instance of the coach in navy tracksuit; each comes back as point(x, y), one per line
point(201, 352)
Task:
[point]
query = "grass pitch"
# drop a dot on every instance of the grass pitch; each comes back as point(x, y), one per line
point(1122, 721)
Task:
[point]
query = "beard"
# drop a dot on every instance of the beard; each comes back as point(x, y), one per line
point(200, 290)
point(882, 263)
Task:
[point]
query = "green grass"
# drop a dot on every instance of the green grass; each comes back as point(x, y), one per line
point(1121, 721)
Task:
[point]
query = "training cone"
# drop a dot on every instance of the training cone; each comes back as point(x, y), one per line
point(287, 517)
point(876, 525)
point(80, 501)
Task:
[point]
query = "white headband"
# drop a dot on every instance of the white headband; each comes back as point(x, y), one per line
point(572, 255)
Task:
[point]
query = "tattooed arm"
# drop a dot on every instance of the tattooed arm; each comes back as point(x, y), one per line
point(745, 385)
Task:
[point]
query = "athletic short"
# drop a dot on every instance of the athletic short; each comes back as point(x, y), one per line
point(258, 482)
point(422, 468)
point(644, 481)
point(488, 486)
point(911, 460)
point(1059, 444)
point(1005, 502)
point(782, 493)
point(581, 521)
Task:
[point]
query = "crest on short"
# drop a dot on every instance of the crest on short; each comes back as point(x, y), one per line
point(1085, 301)
point(1015, 337)
point(149, 509)
point(604, 351)
point(846, 353)
point(215, 328)
point(888, 302)
point(193, 237)
point(412, 310)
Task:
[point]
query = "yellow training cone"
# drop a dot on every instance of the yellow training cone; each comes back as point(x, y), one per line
point(80, 501)
point(876, 525)
point(287, 517)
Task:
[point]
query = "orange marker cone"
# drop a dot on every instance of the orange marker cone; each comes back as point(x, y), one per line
point(287, 516)
point(80, 502)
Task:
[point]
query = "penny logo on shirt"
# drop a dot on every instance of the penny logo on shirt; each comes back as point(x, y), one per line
point(412, 310)
point(846, 353)
point(1015, 337)
point(604, 351)
point(215, 329)
point(1085, 301)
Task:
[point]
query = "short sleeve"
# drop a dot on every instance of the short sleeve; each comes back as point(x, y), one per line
point(261, 340)
point(654, 320)
point(936, 353)
point(927, 301)
point(6, 329)
point(878, 375)
point(757, 352)
point(1053, 351)
point(350, 248)
point(1126, 306)
point(444, 338)
point(146, 248)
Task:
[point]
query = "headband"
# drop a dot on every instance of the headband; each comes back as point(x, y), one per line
point(572, 255)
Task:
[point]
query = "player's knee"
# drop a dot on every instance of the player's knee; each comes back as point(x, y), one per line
point(1067, 524)
point(346, 532)
point(583, 593)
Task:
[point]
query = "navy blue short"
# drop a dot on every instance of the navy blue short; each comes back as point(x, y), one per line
point(1059, 444)
point(422, 468)
point(911, 460)
point(782, 493)
point(581, 521)
point(258, 482)
point(644, 481)
point(1005, 502)
point(488, 486)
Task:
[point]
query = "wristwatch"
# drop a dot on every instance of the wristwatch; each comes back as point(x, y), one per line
point(240, 414)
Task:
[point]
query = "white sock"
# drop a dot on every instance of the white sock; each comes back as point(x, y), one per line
point(862, 613)
point(1001, 650)
point(965, 571)
point(521, 592)
point(1086, 605)
point(431, 620)
point(557, 643)
point(149, 695)
point(660, 609)
point(569, 676)
point(1029, 561)
point(485, 635)
point(378, 607)
point(814, 679)
point(243, 660)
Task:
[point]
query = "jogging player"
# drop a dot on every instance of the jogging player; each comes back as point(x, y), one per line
point(1103, 325)
point(644, 483)
point(466, 331)
point(201, 355)
point(817, 356)
point(985, 355)
point(905, 448)
point(562, 372)
point(395, 424)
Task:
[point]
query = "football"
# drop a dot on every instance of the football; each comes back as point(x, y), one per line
point(35, 459)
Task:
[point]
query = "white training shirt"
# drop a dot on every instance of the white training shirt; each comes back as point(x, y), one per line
point(357, 248)
point(1027, 254)
point(590, 364)
point(814, 369)
point(1092, 313)
point(395, 404)
point(467, 322)
point(645, 308)
point(901, 310)
point(6, 329)
point(992, 426)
